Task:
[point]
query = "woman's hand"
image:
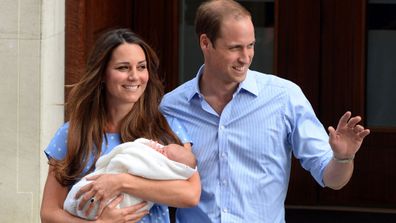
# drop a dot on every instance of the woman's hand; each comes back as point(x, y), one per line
point(128, 214)
point(102, 189)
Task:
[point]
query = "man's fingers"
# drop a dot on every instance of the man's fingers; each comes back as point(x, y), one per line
point(353, 121)
point(331, 130)
point(347, 121)
point(344, 119)
point(358, 128)
point(364, 133)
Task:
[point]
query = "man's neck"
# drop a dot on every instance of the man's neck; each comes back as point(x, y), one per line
point(216, 93)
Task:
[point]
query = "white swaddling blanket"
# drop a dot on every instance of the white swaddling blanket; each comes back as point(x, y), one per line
point(136, 158)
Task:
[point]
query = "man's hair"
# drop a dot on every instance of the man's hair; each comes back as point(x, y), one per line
point(211, 14)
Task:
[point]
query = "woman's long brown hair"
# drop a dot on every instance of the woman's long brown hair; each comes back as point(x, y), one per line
point(86, 107)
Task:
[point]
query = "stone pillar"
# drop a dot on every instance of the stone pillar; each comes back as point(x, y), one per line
point(31, 102)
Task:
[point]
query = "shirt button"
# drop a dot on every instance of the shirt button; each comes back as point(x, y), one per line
point(223, 155)
point(225, 210)
point(222, 127)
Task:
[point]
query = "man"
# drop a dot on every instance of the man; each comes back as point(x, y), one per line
point(245, 125)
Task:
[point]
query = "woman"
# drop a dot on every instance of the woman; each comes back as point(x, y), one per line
point(115, 101)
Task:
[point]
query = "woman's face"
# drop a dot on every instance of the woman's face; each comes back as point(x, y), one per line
point(126, 75)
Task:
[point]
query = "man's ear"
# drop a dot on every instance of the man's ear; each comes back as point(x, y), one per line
point(204, 41)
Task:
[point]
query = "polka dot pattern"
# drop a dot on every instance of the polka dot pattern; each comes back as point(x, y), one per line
point(57, 149)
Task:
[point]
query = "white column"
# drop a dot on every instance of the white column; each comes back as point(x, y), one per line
point(31, 88)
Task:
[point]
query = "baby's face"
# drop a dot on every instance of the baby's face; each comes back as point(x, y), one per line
point(175, 152)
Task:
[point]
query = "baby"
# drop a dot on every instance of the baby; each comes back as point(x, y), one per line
point(173, 153)
point(141, 157)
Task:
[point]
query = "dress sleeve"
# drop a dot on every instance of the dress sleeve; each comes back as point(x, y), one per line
point(179, 129)
point(57, 147)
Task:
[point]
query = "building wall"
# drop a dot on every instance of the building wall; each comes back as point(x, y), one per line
point(32, 92)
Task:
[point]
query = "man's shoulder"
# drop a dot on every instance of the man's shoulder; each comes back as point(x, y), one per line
point(265, 80)
point(180, 95)
point(183, 89)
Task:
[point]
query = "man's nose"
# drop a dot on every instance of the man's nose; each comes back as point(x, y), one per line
point(245, 55)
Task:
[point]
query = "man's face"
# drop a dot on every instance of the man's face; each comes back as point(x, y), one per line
point(232, 53)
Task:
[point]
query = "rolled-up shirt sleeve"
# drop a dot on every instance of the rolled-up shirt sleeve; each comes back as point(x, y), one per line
point(308, 137)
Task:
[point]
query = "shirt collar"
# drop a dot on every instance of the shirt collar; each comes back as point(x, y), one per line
point(249, 84)
point(195, 85)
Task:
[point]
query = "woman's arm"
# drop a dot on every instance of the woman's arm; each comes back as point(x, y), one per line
point(52, 204)
point(176, 193)
point(55, 194)
point(179, 154)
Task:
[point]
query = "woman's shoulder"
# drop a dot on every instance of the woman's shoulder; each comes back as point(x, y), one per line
point(58, 145)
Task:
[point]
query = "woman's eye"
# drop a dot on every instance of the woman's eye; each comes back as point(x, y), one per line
point(142, 67)
point(122, 68)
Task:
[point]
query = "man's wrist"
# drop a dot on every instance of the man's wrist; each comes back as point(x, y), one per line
point(344, 160)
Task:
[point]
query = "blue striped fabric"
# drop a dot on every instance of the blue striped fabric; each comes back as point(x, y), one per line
point(244, 154)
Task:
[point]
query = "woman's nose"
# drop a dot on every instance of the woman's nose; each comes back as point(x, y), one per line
point(131, 74)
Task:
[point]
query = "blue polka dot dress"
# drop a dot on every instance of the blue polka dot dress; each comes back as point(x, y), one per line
point(57, 149)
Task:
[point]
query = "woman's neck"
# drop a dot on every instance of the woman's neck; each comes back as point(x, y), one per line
point(114, 117)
